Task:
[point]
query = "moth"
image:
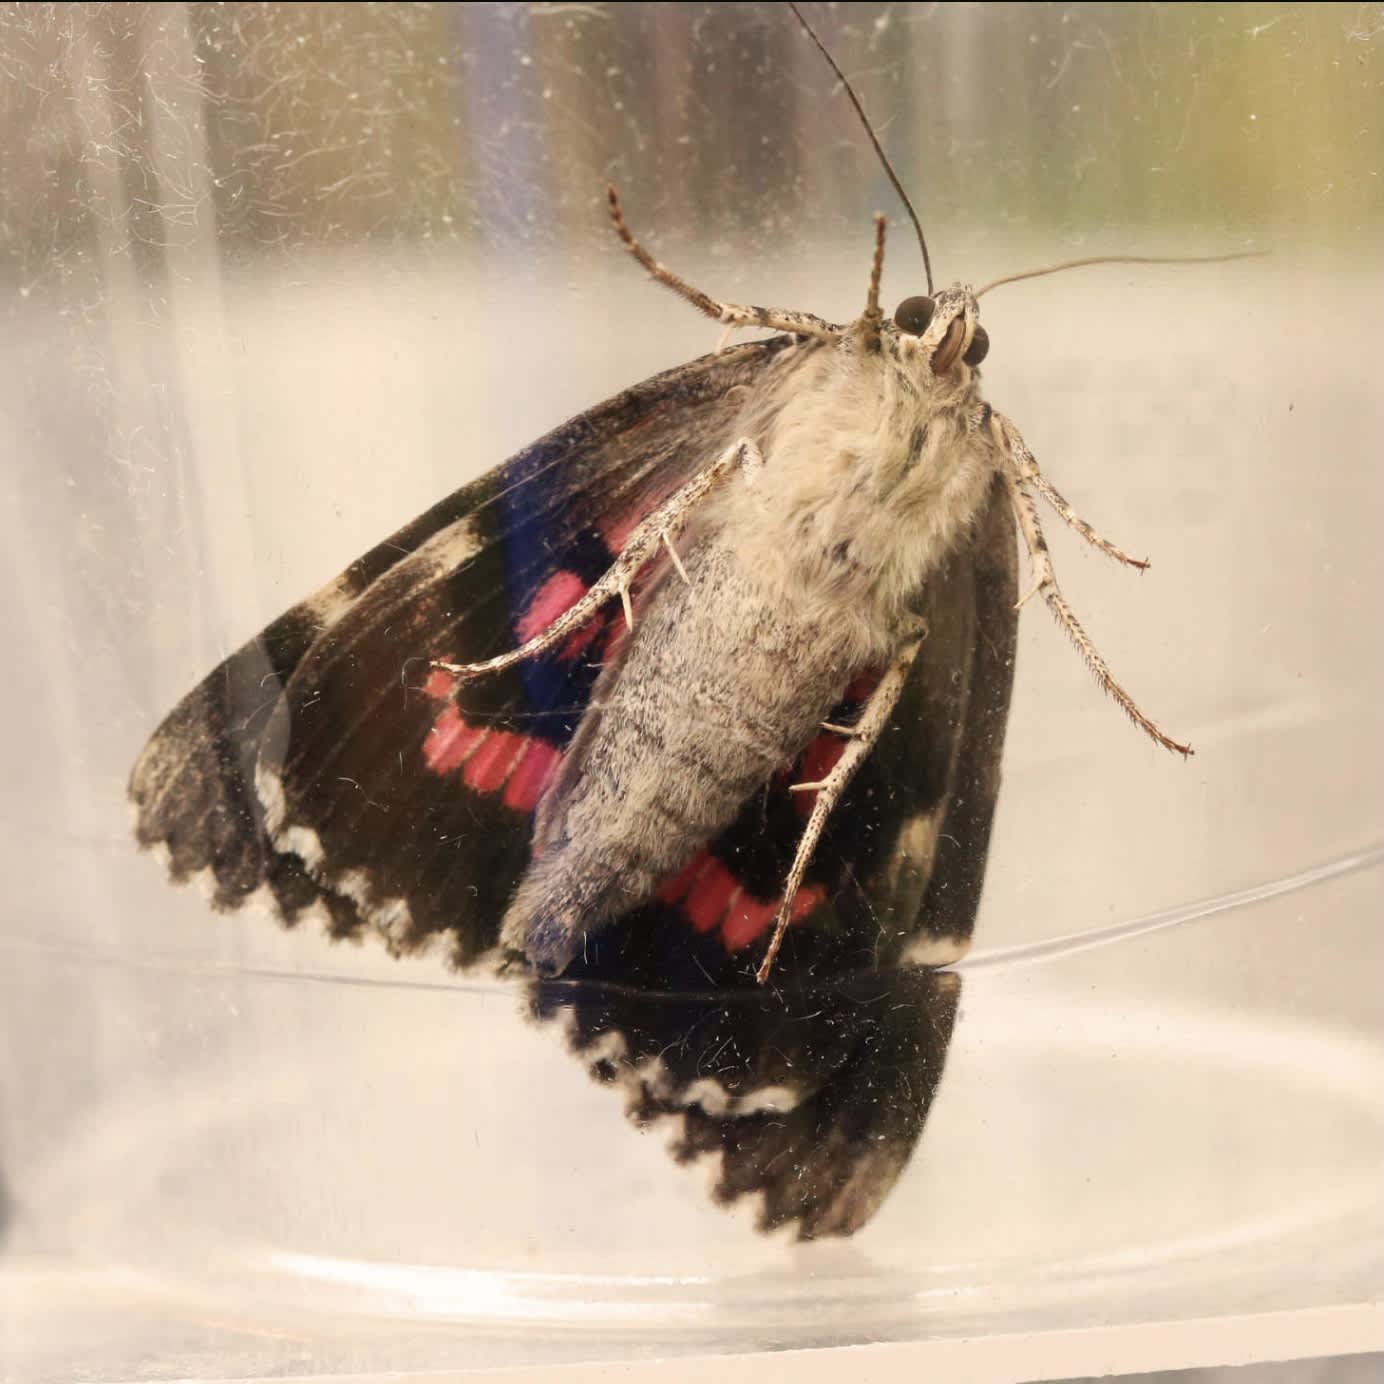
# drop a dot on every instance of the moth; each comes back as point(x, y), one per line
point(706, 686)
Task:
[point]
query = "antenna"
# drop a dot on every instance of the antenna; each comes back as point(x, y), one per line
point(1117, 259)
point(874, 139)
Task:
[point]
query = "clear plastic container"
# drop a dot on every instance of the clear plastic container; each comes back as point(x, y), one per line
point(278, 277)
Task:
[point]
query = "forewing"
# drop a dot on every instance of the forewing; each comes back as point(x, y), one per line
point(328, 762)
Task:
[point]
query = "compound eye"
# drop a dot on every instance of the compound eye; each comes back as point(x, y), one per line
point(979, 347)
point(913, 314)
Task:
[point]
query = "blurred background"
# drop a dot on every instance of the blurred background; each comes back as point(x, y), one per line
point(275, 277)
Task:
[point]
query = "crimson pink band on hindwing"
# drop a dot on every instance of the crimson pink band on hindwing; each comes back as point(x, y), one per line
point(488, 759)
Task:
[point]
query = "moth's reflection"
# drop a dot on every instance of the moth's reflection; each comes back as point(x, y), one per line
point(813, 1099)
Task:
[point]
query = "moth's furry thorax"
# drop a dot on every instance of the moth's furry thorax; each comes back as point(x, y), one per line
point(874, 470)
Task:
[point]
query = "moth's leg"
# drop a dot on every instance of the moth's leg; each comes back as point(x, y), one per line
point(863, 736)
point(1026, 464)
point(1045, 581)
point(732, 314)
point(660, 527)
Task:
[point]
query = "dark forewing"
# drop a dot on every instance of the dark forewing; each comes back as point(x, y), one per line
point(326, 761)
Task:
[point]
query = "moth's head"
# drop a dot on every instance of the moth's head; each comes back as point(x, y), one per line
point(938, 333)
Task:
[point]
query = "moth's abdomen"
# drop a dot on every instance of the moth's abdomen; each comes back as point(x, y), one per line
point(718, 690)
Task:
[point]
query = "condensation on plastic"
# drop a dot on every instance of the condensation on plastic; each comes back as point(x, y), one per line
point(276, 277)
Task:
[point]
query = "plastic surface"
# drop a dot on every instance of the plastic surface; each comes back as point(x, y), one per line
point(276, 278)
